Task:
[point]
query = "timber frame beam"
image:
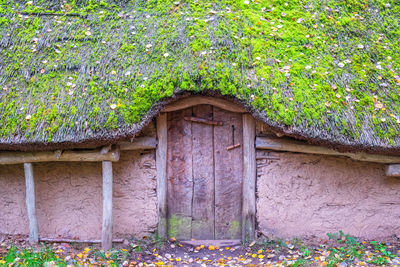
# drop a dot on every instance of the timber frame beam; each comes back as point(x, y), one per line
point(139, 143)
point(200, 100)
point(285, 144)
point(161, 163)
point(58, 155)
point(249, 179)
point(106, 153)
point(31, 203)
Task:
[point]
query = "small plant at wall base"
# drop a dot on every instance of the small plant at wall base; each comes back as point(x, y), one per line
point(351, 250)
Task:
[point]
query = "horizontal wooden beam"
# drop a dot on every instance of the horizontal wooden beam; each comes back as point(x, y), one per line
point(79, 155)
point(67, 240)
point(393, 170)
point(215, 243)
point(284, 144)
point(203, 100)
point(139, 144)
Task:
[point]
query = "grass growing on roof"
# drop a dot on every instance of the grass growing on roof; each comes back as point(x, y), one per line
point(80, 68)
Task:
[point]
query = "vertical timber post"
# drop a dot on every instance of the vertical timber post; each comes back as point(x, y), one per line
point(30, 203)
point(106, 233)
point(161, 163)
point(249, 178)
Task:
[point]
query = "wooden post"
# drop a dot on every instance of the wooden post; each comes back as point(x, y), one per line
point(106, 234)
point(161, 163)
point(30, 203)
point(249, 178)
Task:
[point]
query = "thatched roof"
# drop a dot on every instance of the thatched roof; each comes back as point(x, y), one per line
point(90, 72)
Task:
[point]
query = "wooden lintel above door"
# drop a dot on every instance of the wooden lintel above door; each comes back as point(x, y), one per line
point(203, 100)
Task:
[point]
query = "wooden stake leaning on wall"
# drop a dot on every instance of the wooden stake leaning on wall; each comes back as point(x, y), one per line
point(161, 163)
point(31, 203)
point(249, 178)
point(106, 234)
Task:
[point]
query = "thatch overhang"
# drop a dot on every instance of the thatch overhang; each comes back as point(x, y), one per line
point(84, 74)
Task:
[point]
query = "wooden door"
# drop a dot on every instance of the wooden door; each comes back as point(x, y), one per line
point(204, 173)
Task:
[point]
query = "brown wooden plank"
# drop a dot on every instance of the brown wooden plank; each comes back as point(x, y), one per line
point(161, 162)
point(203, 175)
point(199, 100)
point(107, 226)
point(179, 175)
point(228, 175)
point(249, 178)
point(215, 243)
point(31, 203)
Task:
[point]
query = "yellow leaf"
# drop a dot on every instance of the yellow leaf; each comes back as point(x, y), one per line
point(80, 255)
point(260, 256)
point(378, 105)
point(211, 247)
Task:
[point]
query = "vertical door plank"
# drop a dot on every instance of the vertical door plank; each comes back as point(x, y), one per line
point(203, 175)
point(249, 178)
point(179, 174)
point(228, 175)
point(31, 203)
point(161, 161)
point(106, 234)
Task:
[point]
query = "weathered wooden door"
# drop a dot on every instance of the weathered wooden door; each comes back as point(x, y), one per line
point(204, 173)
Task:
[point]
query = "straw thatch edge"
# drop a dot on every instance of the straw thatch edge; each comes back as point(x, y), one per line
point(107, 138)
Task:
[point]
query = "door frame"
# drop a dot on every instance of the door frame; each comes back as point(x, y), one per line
point(249, 162)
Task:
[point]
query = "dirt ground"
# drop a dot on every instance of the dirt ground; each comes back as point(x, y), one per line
point(338, 251)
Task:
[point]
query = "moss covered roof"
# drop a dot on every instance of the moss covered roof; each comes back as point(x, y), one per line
point(83, 71)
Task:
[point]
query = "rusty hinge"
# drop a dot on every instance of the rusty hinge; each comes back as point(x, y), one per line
point(205, 121)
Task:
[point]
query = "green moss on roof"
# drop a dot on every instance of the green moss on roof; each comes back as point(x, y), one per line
point(328, 69)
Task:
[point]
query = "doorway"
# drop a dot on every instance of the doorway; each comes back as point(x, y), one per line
point(204, 173)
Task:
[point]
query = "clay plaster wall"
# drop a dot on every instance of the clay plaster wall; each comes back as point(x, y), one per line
point(306, 195)
point(69, 198)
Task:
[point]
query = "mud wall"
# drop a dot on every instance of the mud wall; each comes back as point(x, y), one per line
point(69, 198)
point(311, 195)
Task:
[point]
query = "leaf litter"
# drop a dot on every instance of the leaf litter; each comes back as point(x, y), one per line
point(338, 250)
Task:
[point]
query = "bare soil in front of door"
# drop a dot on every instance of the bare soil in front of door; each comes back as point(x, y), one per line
point(337, 250)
